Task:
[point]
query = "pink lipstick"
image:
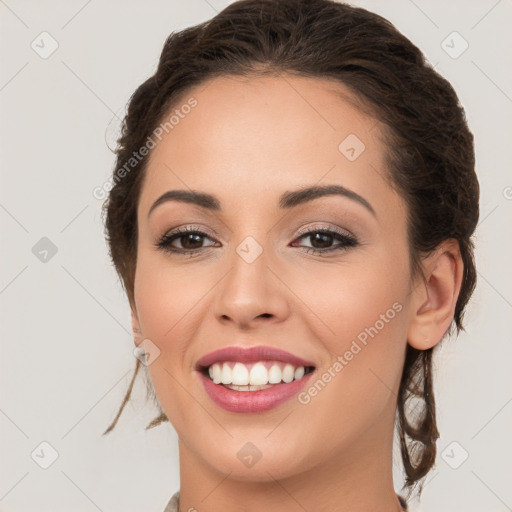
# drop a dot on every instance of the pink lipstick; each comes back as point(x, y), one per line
point(280, 376)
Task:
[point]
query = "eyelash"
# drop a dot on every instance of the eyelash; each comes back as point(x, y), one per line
point(347, 241)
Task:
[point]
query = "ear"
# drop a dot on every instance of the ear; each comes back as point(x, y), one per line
point(137, 334)
point(434, 300)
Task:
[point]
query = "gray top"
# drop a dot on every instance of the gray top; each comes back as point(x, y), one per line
point(172, 506)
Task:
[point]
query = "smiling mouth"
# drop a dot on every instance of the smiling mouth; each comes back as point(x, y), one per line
point(253, 376)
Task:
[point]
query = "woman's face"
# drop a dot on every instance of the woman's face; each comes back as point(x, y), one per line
point(324, 278)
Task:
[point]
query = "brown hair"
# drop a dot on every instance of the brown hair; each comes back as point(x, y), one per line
point(430, 148)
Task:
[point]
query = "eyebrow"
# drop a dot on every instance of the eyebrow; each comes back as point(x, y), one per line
point(288, 199)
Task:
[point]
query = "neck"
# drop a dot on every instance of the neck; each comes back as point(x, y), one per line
point(357, 478)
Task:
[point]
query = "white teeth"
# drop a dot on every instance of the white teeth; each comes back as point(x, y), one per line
point(288, 373)
point(240, 374)
point(258, 375)
point(248, 388)
point(239, 377)
point(226, 376)
point(215, 373)
point(275, 375)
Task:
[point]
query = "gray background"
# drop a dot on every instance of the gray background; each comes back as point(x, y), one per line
point(66, 353)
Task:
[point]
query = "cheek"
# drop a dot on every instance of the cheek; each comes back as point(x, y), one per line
point(168, 303)
point(363, 308)
point(165, 295)
point(367, 314)
point(351, 296)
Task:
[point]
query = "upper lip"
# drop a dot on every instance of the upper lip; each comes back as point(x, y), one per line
point(251, 355)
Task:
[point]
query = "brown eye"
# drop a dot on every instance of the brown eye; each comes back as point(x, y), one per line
point(322, 240)
point(190, 240)
point(184, 241)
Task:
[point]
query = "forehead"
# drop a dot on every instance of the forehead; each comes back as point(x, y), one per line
point(256, 135)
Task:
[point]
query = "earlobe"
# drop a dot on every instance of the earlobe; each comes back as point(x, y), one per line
point(434, 300)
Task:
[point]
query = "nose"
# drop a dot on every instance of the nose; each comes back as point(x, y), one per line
point(251, 294)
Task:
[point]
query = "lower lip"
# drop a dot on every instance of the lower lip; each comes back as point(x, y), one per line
point(252, 401)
